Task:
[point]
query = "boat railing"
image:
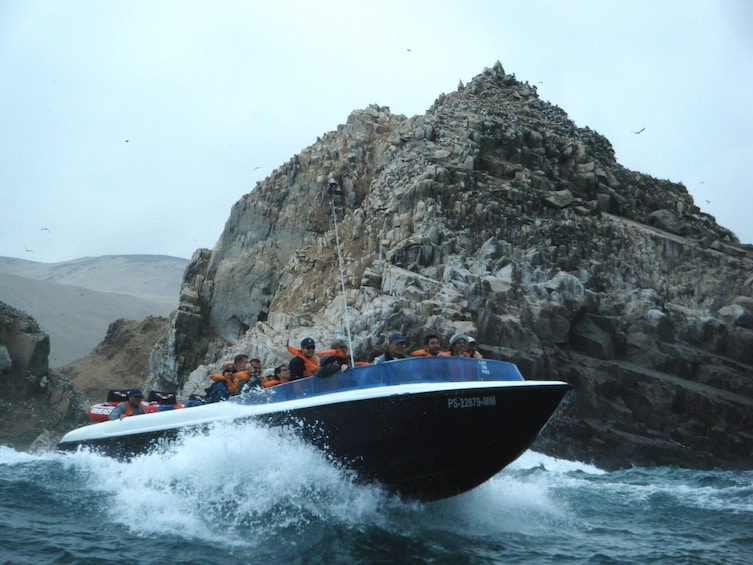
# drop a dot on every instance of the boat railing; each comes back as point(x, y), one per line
point(402, 371)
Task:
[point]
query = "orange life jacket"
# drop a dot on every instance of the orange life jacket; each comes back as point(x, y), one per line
point(231, 385)
point(309, 363)
point(336, 352)
point(266, 383)
point(129, 409)
point(241, 376)
point(422, 353)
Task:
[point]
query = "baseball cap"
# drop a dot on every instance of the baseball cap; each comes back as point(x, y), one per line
point(397, 338)
point(307, 342)
point(135, 392)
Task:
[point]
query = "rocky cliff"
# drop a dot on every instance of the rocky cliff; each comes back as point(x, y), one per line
point(494, 215)
point(35, 402)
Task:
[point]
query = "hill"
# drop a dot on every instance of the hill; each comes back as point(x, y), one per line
point(120, 360)
point(74, 302)
point(155, 278)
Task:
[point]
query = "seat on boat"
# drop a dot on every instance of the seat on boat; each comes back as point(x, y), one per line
point(117, 395)
point(162, 398)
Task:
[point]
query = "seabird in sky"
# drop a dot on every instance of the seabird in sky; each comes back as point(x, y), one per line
point(639, 131)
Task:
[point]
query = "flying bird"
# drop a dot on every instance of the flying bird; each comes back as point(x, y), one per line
point(409, 50)
point(708, 201)
point(29, 250)
point(45, 229)
point(257, 168)
point(639, 131)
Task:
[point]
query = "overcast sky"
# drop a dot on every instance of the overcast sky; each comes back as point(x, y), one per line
point(132, 127)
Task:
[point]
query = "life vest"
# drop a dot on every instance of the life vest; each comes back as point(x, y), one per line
point(266, 383)
point(230, 384)
point(449, 354)
point(309, 363)
point(422, 353)
point(334, 353)
point(129, 409)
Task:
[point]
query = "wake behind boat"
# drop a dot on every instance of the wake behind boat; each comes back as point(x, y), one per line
point(426, 428)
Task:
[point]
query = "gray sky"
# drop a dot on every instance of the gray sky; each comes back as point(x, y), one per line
point(132, 127)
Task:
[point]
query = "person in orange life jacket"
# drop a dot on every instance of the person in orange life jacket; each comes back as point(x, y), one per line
point(395, 349)
point(276, 376)
point(304, 362)
point(431, 347)
point(224, 384)
point(268, 378)
point(252, 374)
point(131, 407)
point(282, 373)
point(333, 360)
point(458, 343)
point(243, 370)
point(471, 350)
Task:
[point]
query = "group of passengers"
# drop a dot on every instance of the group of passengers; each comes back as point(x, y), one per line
point(307, 362)
point(461, 345)
point(244, 373)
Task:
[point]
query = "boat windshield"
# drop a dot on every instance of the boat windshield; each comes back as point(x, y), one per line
point(402, 371)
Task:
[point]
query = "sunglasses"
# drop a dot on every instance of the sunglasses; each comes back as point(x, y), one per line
point(228, 371)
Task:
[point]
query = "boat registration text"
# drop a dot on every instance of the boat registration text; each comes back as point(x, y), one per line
point(472, 402)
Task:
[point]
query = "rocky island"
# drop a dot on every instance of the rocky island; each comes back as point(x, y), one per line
point(493, 215)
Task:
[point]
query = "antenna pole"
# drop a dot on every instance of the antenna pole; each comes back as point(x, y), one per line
point(332, 186)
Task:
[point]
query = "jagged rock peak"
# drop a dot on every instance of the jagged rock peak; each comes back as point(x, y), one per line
point(491, 214)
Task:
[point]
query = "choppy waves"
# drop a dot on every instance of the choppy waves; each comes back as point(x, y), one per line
point(246, 495)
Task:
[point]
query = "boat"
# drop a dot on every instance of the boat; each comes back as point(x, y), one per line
point(156, 401)
point(425, 428)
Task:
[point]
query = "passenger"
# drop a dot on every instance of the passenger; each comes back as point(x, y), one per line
point(395, 349)
point(458, 343)
point(282, 373)
point(224, 385)
point(269, 378)
point(432, 346)
point(130, 407)
point(471, 350)
point(304, 362)
point(334, 359)
point(242, 373)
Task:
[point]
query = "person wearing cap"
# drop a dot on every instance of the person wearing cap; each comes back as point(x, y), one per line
point(432, 346)
point(458, 343)
point(130, 407)
point(224, 384)
point(395, 349)
point(269, 378)
point(471, 349)
point(304, 362)
point(334, 359)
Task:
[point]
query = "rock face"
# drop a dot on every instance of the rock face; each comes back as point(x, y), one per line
point(494, 215)
point(121, 360)
point(34, 399)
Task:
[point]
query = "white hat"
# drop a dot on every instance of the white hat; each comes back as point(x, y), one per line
point(458, 337)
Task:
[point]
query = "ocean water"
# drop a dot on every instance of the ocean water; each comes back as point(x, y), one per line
point(241, 495)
